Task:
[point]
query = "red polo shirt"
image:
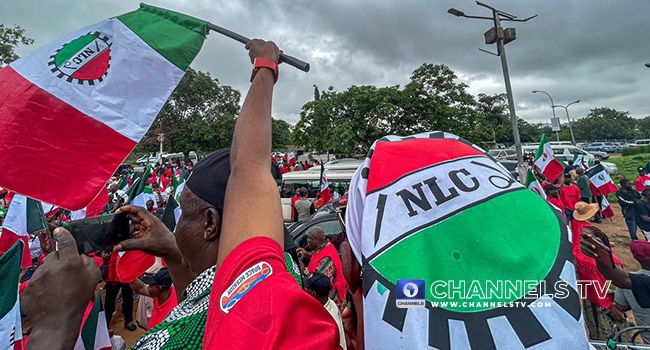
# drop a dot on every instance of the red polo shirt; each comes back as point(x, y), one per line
point(570, 195)
point(256, 304)
point(558, 203)
point(639, 182)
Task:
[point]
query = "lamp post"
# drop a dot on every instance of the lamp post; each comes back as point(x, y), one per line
point(557, 135)
point(498, 35)
point(566, 110)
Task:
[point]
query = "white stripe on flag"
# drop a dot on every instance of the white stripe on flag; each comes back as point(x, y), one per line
point(157, 78)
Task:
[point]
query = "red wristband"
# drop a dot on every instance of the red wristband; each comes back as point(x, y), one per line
point(260, 62)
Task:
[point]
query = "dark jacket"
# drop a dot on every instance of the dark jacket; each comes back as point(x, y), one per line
point(627, 201)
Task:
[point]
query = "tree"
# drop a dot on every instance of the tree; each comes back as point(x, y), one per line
point(643, 127)
point(494, 109)
point(349, 121)
point(281, 133)
point(201, 113)
point(605, 123)
point(10, 38)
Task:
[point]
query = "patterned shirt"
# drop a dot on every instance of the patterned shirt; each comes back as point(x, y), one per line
point(183, 328)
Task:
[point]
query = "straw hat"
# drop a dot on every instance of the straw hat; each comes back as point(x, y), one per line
point(584, 211)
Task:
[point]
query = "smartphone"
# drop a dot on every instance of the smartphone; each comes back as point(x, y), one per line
point(100, 233)
point(604, 247)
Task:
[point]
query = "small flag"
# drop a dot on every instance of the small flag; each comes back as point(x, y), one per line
point(599, 176)
point(533, 184)
point(94, 91)
point(172, 213)
point(24, 217)
point(325, 194)
point(10, 323)
point(142, 191)
point(545, 160)
point(94, 332)
point(605, 208)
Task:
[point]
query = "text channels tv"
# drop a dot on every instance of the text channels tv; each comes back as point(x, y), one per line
point(410, 293)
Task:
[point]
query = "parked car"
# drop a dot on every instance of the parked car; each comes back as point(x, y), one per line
point(150, 158)
point(601, 147)
point(503, 154)
point(642, 142)
point(570, 152)
point(325, 219)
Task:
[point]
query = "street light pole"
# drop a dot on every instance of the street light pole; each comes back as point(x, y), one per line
point(557, 136)
point(500, 36)
point(566, 110)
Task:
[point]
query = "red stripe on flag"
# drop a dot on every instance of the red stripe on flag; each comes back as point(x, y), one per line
point(7, 240)
point(392, 160)
point(53, 152)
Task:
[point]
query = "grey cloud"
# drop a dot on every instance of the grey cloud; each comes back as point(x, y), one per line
point(588, 50)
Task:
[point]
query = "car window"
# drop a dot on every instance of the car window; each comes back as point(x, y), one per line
point(510, 151)
point(331, 227)
point(494, 153)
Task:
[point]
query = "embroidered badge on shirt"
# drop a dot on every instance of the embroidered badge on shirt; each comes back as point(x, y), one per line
point(243, 284)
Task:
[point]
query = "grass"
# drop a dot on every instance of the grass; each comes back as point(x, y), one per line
point(627, 165)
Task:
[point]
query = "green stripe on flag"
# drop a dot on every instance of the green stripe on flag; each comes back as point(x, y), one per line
point(501, 250)
point(35, 216)
point(89, 329)
point(9, 277)
point(175, 36)
point(169, 219)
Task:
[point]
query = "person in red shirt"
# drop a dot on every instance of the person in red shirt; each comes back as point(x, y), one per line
point(255, 303)
point(113, 286)
point(570, 195)
point(296, 197)
point(642, 181)
point(553, 197)
point(159, 287)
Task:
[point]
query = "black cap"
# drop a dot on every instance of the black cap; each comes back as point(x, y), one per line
point(319, 283)
point(162, 277)
point(210, 175)
point(640, 169)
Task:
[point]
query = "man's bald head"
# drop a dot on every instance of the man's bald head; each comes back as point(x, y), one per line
point(315, 238)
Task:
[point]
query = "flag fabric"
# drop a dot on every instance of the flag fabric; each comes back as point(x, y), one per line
point(94, 331)
point(533, 184)
point(599, 176)
point(606, 208)
point(172, 213)
point(142, 191)
point(24, 217)
point(130, 265)
point(325, 194)
point(546, 162)
point(95, 91)
point(435, 208)
point(95, 208)
point(10, 322)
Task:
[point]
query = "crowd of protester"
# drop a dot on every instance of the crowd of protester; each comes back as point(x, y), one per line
point(231, 229)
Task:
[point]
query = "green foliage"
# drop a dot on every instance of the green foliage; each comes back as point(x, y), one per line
point(199, 116)
point(627, 165)
point(10, 38)
point(349, 121)
point(635, 150)
point(605, 123)
point(281, 134)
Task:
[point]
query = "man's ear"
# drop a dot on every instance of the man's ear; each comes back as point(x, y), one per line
point(212, 224)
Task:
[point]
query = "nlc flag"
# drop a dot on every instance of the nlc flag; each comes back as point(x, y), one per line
point(546, 162)
point(87, 99)
point(435, 207)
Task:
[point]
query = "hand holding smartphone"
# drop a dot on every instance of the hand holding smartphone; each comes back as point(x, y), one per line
point(100, 233)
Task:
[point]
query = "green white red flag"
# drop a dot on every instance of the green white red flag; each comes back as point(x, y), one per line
point(599, 176)
point(94, 331)
point(606, 208)
point(92, 93)
point(10, 322)
point(546, 162)
point(24, 217)
point(533, 184)
point(325, 194)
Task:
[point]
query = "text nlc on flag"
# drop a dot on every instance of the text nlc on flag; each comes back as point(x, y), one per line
point(73, 110)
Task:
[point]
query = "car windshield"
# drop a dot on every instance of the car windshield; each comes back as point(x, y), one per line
point(494, 152)
point(511, 152)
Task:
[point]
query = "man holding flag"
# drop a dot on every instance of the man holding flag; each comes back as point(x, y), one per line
point(546, 162)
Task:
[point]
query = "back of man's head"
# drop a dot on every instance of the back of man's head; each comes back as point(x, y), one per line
point(319, 283)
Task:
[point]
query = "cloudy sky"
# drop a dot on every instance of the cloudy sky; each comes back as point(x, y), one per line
point(591, 50)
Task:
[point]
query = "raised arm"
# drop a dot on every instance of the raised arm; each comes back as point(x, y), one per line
point(250, 164)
